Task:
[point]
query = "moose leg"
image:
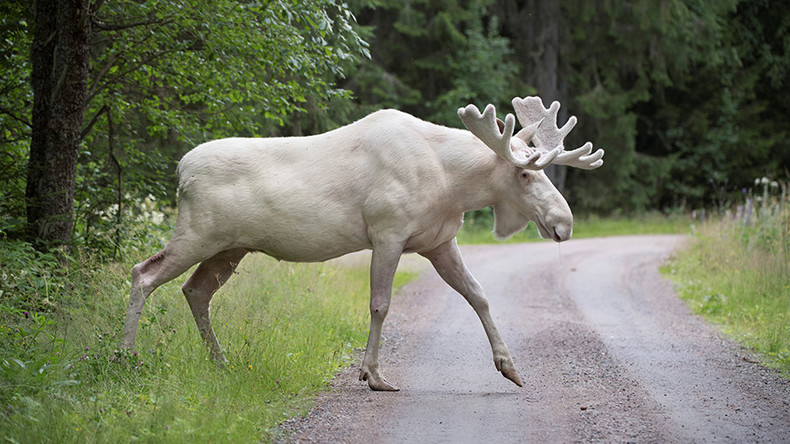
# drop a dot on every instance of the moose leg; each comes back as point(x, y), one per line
point(447, 261)
point(383, 264)
point(200, 288)
point(162, 267)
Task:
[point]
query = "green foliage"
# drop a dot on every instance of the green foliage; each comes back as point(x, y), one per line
point(109, 224)
point(631, 54)
point(719, 128)
point(645, 223)
point(735, 273)
point(198, 71)
point(15, 98)
point(430, 57)
point(674, 91)
point(221, 68)
point(481, 72)
point(29, 279)
point(31, 361)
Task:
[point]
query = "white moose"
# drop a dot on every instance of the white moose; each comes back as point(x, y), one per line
point(389, 182)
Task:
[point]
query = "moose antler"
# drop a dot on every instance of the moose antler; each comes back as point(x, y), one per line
point(498, 136)
point(549, 136)
point(546, 138)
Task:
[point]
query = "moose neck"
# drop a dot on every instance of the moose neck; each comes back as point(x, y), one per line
point(476, 174)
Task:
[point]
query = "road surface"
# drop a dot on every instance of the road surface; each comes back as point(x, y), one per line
point(606, 350)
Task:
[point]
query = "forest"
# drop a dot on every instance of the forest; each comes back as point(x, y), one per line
point(99, 100)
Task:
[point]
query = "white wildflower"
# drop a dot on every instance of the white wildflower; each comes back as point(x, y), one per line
point(157, 217)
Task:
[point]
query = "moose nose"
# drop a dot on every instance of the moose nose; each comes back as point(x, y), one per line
point(561, 233)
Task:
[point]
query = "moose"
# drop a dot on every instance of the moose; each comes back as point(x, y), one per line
point(389, 182)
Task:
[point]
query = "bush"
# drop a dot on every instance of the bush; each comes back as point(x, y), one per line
point(29, 279)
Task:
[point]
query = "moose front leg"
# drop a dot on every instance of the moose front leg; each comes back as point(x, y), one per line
point(383, 263)
point(447, 261)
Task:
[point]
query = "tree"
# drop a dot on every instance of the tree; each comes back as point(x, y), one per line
point(59, 78)
point(612, 57)
point(534, 28)
point(725, 126)
point(429, 56)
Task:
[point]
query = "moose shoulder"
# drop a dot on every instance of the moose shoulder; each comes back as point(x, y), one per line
point(389, 182)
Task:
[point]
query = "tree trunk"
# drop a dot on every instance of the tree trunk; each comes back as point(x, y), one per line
point(534, 29)
point(547, 72)
point(59, 76)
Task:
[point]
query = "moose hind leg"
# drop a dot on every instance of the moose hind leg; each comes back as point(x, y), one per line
point(146, 277)
point(200, 288)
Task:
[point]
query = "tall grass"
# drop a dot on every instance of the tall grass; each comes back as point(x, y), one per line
point(286, 329)
point(736, 273)
point(478, 227)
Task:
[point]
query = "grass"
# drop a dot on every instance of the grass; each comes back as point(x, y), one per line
point(736, 274)
point(286, 329)
point(478, 227)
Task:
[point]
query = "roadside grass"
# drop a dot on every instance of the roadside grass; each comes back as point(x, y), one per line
point(286, 329)
point(736, 273)
point(478, 227)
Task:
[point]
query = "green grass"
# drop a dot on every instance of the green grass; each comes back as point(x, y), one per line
point(286, 329)
point(477, 230)
point(647, 223)
point(737, 276)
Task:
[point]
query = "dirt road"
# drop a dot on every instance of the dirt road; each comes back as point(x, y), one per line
point(606, 351)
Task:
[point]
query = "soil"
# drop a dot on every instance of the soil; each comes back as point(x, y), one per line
point(605, 348)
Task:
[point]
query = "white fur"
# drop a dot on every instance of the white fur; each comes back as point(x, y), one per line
point(388, 182)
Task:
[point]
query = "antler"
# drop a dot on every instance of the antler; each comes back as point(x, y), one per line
point(540, 128)
point(549, 137)
point(497, 135)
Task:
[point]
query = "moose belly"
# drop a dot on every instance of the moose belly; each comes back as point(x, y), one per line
point(298, 246)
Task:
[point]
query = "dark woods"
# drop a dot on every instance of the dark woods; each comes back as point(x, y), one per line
point(100, 99)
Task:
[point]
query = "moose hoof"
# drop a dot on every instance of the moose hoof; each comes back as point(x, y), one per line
point(505, 365)
point(513, 376)
point(377, 382)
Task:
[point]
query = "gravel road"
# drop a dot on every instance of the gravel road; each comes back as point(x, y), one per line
point(606, 350)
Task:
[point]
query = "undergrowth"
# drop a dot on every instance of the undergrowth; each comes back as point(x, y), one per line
point(286, 329)
point(736, 273)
